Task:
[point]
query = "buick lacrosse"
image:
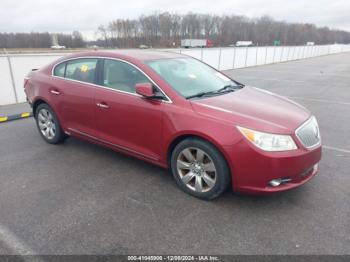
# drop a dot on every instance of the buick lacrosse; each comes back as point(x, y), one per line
point(172, 110)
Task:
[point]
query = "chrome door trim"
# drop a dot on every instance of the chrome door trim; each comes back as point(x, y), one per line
point(102, 105)
point(169, 101)
point(55, 92)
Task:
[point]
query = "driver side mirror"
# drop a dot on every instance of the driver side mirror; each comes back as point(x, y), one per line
point(145, 89)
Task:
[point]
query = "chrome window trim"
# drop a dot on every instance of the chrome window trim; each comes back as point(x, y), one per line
point(301, 126)
point(64, 71)
point(169, 101)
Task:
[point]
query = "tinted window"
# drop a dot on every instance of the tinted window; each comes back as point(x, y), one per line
point(82, 69)
point(122, 76)
point(60, 70)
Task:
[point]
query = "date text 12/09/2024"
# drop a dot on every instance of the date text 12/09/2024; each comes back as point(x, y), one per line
point(174, 258)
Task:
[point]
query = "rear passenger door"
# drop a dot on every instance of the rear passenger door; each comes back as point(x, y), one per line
point(77, 87)
point(124, 118)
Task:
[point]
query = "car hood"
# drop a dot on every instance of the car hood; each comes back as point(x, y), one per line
point(254, 108)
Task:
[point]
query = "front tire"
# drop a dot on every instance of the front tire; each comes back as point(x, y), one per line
point(48, 124)
point(199, 169)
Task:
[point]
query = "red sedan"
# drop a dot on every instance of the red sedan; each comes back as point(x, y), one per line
point(179, 113)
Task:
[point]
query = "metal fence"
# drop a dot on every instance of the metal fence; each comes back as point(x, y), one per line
point(240, 57)
point(13, 67)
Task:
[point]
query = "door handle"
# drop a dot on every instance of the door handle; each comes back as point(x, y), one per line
point(102, 105)
point(55, 92)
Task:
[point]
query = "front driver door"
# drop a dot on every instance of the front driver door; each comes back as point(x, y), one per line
point(125, 119)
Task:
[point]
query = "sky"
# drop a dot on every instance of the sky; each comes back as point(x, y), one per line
point(84, 15)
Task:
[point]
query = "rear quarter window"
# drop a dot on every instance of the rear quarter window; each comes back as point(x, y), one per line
point(60, 70)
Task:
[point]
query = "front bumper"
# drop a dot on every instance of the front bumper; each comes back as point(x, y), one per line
point(253, 169)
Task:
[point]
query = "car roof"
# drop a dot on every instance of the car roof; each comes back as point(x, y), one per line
point(133, 54)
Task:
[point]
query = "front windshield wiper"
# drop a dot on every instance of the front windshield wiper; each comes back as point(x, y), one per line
point(229, 88)
point(225, 89)
point(199, 94)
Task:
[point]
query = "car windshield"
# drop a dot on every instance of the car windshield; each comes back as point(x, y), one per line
point(192, 78)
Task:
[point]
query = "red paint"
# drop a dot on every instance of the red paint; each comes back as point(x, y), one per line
point(210, 43)
point(145, 128)
point(144, 89)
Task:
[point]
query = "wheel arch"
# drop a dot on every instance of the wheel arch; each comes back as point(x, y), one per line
point(37, 102)
point(40, 100)
point(179, 138)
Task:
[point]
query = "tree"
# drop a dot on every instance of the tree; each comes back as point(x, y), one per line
point(161, 29)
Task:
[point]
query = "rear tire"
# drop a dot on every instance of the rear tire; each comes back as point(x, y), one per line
point(48, 124)
point(200, 169)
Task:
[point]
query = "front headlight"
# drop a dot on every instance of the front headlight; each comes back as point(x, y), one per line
point(268, 142)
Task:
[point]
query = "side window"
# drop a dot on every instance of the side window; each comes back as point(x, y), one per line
point(60, 70)
point(82, 69)
point(122, 76)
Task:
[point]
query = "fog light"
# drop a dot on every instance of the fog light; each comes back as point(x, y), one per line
point(279, 181)
point(275, 182)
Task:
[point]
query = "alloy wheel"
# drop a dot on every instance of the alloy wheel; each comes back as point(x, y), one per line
point(196, 169)
point(46, 124)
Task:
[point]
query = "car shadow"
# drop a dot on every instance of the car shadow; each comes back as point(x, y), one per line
point(161, 176)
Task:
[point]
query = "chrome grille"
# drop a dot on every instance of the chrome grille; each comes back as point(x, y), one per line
point(309, 133)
